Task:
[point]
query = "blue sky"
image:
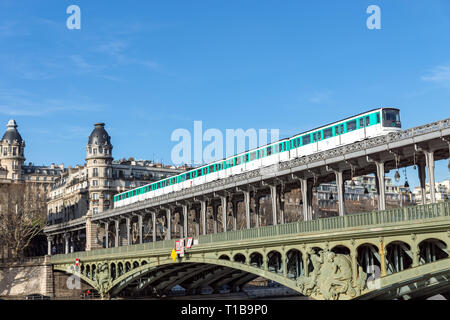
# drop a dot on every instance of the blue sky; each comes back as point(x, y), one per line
point(146, 68)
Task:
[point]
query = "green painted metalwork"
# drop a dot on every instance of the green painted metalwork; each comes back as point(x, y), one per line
point(394, 241)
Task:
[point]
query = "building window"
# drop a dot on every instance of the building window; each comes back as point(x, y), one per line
point(95, 151)
point(95, 183)
point(95, 173)
point(95, 196)
point(95, 210)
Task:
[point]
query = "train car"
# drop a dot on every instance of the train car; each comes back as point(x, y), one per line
point(365, 125)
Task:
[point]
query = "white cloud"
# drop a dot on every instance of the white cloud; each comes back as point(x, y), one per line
point(321, 96)
point(22, 103)
point(439, 74)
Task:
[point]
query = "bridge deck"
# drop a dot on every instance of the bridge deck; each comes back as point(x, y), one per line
point(335, 227)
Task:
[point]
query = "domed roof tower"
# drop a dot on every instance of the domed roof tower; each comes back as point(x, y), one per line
point(12, 148)
point(99, 169)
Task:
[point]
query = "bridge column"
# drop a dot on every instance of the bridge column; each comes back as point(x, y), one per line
point(247, 208)
point(305, 263)
point(185, 221)
point(429, 157)
point(223, 199)
point(168, 224)
point(257, 206)
point(203, 216)
point(49, 245)
point(354, 259)
point(341, 190)
point(421, 173)
point(235, 213)
point(273, 196)
point(383, 253)
point(281, 203)
point(127, 221)
point(197, 220)
point(106, 225)
point(140, 228)
point(116, 240)
point(72, 240)
point(154, 226)
point(215, 208)
point(66, 243)
point(265, 262)
point(306, 187)
point(381, 188)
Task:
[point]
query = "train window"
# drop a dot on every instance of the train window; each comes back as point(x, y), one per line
point(306, 139)
point(238, 161)
point(361, 122)
point(314, 137)
point(269, 151)
point(391, 118)
point(211, 169)
point(318, 135)
point(327, 133)
point(199, 173)
point(188, 175)
point(341, 128)
point(230, 163)
point(246, 157)
point(378, 117)
point(253, 156)
point(367, 120)
point(351, 125)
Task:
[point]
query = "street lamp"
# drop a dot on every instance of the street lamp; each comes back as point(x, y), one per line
point(397, 176)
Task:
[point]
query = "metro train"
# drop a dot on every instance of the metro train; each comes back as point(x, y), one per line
point(366, 125)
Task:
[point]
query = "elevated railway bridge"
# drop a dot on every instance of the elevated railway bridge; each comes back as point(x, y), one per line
point(382, 254)
point(407, 247)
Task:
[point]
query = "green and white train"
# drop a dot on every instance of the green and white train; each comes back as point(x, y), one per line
point(366, 125)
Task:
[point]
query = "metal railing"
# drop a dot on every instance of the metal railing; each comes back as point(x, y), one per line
point(405, 214)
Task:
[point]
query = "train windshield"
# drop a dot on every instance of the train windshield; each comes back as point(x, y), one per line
point(391, 118)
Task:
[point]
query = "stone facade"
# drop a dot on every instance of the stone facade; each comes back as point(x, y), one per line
point(89, 189)
point(12, 162)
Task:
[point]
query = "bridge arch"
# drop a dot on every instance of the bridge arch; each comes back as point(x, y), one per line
point(239, 257)
point(294, 264)
point(224, 257)
point(256, 259)
point(275, 261)
point(248, 272)
point(398, 256)
point(113, 270)
point(431, 250)
point(71, 271)
point(368, 257)
point(341, 249)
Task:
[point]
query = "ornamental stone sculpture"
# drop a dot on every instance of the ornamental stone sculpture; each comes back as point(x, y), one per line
point(331, 277)
point(103, 279)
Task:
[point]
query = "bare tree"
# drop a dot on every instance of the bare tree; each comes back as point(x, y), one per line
point(23, 215)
